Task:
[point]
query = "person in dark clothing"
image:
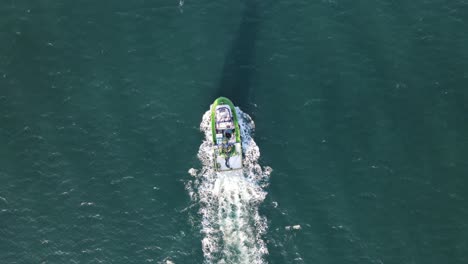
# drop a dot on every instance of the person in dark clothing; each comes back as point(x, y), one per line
point(228, 134)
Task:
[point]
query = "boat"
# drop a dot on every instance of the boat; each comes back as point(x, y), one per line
point(227, 145)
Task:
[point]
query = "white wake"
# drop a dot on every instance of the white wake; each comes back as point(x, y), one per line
point(231, 224)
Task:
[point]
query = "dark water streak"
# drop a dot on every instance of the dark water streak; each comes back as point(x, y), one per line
point(239, 66)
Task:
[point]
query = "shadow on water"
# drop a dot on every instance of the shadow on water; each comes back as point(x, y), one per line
point(238, 68)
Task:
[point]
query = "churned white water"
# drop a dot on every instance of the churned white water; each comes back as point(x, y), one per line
point(232, 227)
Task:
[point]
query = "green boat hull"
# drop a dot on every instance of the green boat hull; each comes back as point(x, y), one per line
point(227, 147)
point(224, 101)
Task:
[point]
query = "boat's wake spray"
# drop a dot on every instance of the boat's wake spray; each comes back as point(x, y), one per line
point(231, 224)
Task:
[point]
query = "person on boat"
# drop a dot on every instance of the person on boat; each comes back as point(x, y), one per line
point(227, 148)
point(228, 134)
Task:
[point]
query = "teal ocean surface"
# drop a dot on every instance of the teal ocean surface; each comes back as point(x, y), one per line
point(354, 119)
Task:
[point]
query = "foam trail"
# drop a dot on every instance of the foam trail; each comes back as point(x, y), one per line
point(231, 224)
